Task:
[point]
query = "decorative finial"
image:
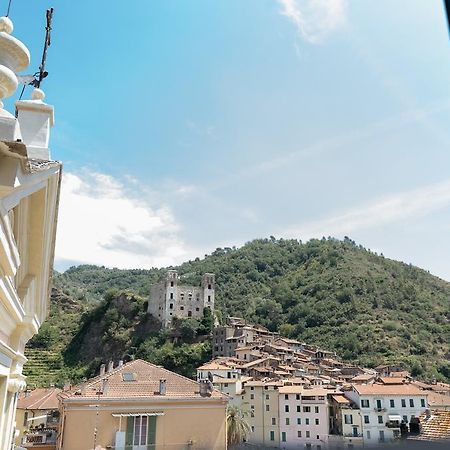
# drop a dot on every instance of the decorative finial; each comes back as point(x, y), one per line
point(38, 94)
point(6, 25)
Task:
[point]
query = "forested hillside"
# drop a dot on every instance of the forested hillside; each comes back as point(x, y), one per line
point(332, 293)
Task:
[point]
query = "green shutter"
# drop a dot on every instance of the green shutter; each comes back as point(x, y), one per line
point(151, 441)
point(129, 433)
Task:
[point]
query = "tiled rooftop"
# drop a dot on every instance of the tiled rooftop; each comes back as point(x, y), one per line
point(389, 389)
point(145, 382)
point(39, 399)
point(436, 427)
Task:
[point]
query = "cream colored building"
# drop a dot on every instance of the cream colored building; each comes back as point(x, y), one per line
point(29, 193)
point(140, 406)
point(260, 398)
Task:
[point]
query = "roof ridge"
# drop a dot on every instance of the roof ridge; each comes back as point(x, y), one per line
point(41, 400)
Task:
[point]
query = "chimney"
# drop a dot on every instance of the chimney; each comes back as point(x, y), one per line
point(205, 388)
point(104, 390)
point(120, 363)
point(35, 119)
point(427, 413)
point(66, 386)
point(162, 387)
point(102, 370)
point(110, 366)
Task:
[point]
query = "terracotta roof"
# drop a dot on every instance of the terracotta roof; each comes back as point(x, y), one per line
point(341, 399)
point(303, 391)
point(146, 382)
point(39, 399)
point(436, 427)
point(213, 366)
point(387, 389)
point(393, 380)
point(436, 400)
point(363, 377)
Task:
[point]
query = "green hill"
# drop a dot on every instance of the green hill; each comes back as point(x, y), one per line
point(336, 294)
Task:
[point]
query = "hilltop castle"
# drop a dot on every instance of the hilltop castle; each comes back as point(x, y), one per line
point(169, 299)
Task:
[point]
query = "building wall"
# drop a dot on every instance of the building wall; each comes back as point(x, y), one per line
point(371, 430)
point(202, 423)
point(262, 404)
point(298, 426)
point(169, 299)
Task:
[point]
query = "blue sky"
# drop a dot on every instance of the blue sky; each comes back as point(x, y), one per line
point(188, 125)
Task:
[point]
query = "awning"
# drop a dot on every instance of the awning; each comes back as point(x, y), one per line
point(37, 417)
point(138, 414)
point(395, 418)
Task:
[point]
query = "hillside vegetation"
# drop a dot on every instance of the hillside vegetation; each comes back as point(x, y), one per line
point(327, 292)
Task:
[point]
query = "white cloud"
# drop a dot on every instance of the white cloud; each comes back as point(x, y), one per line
point(393, 208)
point(315, 19)
point(101, 222)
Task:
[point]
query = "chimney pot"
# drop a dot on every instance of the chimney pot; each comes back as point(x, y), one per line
point(162, 387)
point(120, 363)
point(102, 369)
point(110, 366)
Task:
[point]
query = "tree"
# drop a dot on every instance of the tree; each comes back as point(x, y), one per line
point(237, 425)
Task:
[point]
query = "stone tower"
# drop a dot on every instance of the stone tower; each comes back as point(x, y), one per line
point(169, 298)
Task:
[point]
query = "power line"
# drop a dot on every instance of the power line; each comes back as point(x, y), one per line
point(9, 8)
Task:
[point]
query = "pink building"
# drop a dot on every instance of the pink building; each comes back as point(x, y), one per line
point(304, 417)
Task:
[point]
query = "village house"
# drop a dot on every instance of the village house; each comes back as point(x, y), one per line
point(388, 411)
point(304, 417)
point(37, 418)
point(138, 406)
point(29, 196)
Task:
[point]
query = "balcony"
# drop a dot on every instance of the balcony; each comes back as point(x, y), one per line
point(380, 409)
point(353, 435)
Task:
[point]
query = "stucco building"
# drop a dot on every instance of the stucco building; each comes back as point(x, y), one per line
point(29, 194)
point(169, 298)
point(140, 406)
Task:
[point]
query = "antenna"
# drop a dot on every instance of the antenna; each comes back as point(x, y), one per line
point(9, 8)
point(48, 29)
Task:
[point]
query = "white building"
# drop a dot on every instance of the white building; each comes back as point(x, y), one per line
point(29, 195)
point(387, 411)
point(304, 417)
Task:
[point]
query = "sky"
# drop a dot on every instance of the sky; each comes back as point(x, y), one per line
point(185, 126)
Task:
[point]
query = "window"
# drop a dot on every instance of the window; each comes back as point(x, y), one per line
point(274, 421)
point(381, 436)
point(348, 419)
point(364, 403)
point(368, 434)
point(209, 286)
point(307, 409)
point(182, 308)
point(283, 436)
point(307, 421)
point(405, 419)
point(25, 419)
point(171, 295)
point(267, 407)
point(140, 430)
point(170, 305)
point(252, 396)
point(392, 403)
point(380, 419)
point(378, 404)
point(355, 431)
point(317, 436)
point(299, 434)
point(366, 419)
point(422, 402)
point(286, 408)
point(403, 403)
point(171, 284)
point(286, 396)
point(253, 429)
point(299, 421)
point(317, 421)
point(308, 434)
point(298, 408)
point(316, 409)
point(189, 313)
point(297, 397)
point(411, 403)
point(129, 376)
point(209, 298)
point(197, 309)
point(267, 397)
point(288, 422)
point(272, 435)
point(252, 388)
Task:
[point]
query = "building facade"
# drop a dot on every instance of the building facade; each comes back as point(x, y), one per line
point(139, 406)
point(170, 299)
point(388, 411)
point(29, 197)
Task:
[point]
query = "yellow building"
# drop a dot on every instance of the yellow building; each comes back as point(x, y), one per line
point(140, 406)
point(37, 418)
point(29, 192)
point(261, 400)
